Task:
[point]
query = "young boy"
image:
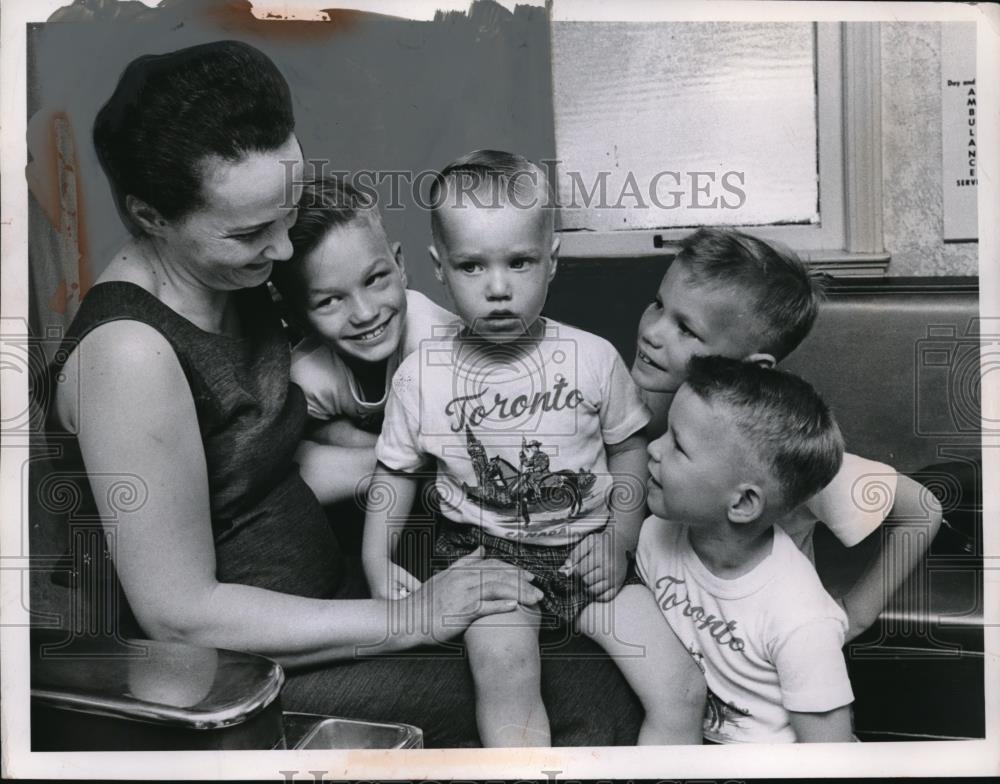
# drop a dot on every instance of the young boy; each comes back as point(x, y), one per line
point(527, 422)
point(346, 285)
point(733, 295)
point(744, 445)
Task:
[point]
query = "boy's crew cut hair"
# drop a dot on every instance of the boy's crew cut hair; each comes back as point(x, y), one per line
point(780, 415)
point(491, 178)
point(327, 203)
point(784, 294)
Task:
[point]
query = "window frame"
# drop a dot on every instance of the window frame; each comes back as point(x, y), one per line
point(848, 240)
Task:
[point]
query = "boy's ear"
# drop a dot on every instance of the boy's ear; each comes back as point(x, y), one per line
point(746, 504)
point(146, 216)
point(397, 255)
point(437, 263)
point(553, 257)
point(762, 359)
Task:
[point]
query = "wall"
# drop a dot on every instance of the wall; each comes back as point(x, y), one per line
point(911, 155)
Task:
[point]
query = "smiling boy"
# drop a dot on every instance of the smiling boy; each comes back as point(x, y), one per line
point(346, 287)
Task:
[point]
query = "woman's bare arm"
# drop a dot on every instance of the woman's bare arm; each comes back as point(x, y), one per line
point(136, 415)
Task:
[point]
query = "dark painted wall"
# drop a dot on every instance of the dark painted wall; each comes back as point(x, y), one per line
point(371, 92)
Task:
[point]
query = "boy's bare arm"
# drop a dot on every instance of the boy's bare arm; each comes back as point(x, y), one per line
point(830, 727)
point(627, 462)
point(906, 533)
point(335, 473)
point(391, 495)
point(600, 558)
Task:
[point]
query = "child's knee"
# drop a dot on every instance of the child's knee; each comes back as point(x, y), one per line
point(687, 693)
point(677, 708)
point(506, 656)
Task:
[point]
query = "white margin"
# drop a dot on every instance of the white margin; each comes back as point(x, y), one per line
point(960, 758)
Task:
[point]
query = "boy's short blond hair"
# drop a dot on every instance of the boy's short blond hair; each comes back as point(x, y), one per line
point(783, 419)
point(490, 179)
point(327, 203)
point(785, 296)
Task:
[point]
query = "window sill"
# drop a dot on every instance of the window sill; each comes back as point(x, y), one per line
point(581, 249)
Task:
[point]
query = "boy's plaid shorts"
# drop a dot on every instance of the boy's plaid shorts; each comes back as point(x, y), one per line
point(563, 597)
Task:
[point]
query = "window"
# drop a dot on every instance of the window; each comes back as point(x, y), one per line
point(780, 135)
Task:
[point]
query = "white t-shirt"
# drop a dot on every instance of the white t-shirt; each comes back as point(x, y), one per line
point(517, 430)
point(329, 386)
point(768, 642)
point(852, 506)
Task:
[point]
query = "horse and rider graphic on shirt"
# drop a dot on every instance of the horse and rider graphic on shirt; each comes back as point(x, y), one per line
point(530, 487)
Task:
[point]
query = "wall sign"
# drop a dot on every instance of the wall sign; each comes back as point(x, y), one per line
point(958, 131)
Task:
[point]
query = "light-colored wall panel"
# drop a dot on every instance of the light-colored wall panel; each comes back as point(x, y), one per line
point(911, 155)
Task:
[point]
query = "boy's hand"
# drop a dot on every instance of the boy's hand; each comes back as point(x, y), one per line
point(396, 583)
point(599, 561)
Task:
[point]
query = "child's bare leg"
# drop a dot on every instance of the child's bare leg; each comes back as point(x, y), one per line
point(503, 655)
point(654, 662)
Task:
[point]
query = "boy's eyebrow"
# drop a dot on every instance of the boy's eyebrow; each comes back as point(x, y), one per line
point(691, 318)
point(367, 271)
point(530, 251)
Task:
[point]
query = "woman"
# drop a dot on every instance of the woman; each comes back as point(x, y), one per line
point(182, 372)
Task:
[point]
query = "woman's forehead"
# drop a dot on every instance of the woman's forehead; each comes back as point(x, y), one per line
point(259, 184)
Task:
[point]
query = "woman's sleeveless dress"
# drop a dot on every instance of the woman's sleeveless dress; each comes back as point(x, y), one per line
point(268, 527)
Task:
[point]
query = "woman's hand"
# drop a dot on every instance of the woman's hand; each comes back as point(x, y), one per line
point(397, 583)
point(471, 588)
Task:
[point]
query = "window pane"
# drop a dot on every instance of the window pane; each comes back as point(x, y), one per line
point(665, 101)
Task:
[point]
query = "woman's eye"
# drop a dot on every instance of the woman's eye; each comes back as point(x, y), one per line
point(519, 264)
point(326, 302)
point(469, 267)
point(685, 331)
point(375, 278)
point(250, 236)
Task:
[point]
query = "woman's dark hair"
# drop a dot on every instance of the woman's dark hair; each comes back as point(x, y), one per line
point(171, 111)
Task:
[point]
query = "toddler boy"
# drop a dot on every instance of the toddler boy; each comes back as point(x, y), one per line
point(526, 422)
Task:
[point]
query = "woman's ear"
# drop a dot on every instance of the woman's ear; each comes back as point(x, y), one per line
point(145, 216)
point(397, 254)
point(746, 505)
point(762, 359)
